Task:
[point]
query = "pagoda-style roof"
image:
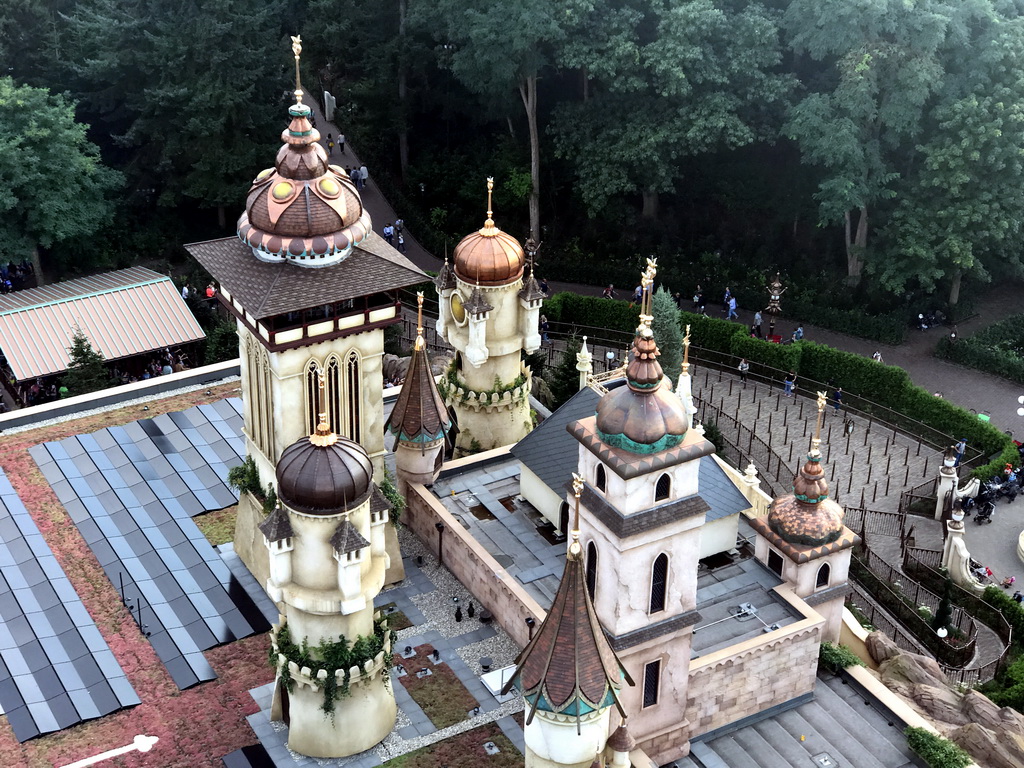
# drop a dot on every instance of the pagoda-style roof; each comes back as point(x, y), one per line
point(347, 538)
point(419, 414)
point(569, 668)
point(267, 289)
point(277, 526)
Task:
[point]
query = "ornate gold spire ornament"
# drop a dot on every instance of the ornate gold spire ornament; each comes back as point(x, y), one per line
point(489, 230)
point(816, 442)
point(297, 50)
point(686, 351)
point(419, 320)
point(646, 281)
point(322, 436)
point(575, 549)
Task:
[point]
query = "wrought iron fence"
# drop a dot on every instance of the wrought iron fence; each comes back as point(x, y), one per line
point(745, 447)
point(874, 522)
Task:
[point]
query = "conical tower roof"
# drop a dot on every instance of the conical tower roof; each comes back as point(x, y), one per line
point(419, 415)
point(569, 668)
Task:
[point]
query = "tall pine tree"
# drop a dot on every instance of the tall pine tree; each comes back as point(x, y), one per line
point(86, 371)
point(667, 333)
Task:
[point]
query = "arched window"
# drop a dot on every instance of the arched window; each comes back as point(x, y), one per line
point(352, 416)
point(659, 583)
point(261, 416)
point(824, 574)
point(591, 569)
point(599, 480)
point(312, 396)
point(332, 383)
point(664, 488)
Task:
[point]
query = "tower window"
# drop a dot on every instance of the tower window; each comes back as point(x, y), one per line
point(659, 581)
point(599, 478)
point(261, 418)
point(563, 518)
point(591, 569)
point(824, 574)
point(313, 404)
point(652, 680)
point(354, 393)
point(664, 488)
point(775, 562)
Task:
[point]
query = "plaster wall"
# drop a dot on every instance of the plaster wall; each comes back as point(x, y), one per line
point(719, 535)
point(637, 494)
point(552, 740)
point(415, 462)
point(492, 426)
point(502, 337)
point(537, 492)
point(472, 565)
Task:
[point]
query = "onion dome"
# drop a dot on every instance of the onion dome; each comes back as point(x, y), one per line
point(645, 416)
point(303, 210)
point(324, 474)
point(569, 668)
point(489, 256)
point(419, 415)
point(807, 516)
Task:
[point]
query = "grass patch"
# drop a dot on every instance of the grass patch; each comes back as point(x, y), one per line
point(397, 620)
point(219, 526)
point(441, 695)
point(466, 750)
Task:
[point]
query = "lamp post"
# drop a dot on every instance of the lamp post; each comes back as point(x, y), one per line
point(530, 624)
point(775, 291)
point(609, 358)
point(440, 542)
point(946, 488)
point(1020, 411)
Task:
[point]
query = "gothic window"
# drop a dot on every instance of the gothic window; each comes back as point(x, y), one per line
point(775, 562)
point(824, 574)
point(312, 396)
point(260, 411)
point(599, 480)
point(664, 488)
point(659, 582)
point(591, 569)
point(652, 680)
point(332, 385)
point(353, 395)
point(342, 389)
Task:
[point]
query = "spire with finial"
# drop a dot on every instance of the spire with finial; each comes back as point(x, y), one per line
point(684, 386)
point(322, 436)
point(419, 321)
point(489, 230)
point(297, 50)
point(575, 549)
point(816, 440)
point(686, 352)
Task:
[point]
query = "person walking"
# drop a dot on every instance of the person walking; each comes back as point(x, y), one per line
point(354, 175)
point(330, 145)
point(743, 367)
point(877, 357)
point(401, 242)
point(837, 400)
point(363, 175)
point(798, 334)
point(733, 314)
point(389, 234)
point(341, 142)
point(399, 223)
point(790, 383)
point(608, 293)
point(725, 299)
point(545, 328)
point(757, 324)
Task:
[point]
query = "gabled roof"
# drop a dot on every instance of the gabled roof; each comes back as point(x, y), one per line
point(123, 313)
point(266, 289)
point(549, 451)
point(569, 668)
point(419, 414)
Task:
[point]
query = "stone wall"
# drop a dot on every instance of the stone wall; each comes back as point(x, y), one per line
point(754, 675)
point(472, 565)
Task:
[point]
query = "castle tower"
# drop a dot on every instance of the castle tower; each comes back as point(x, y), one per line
point(640, 528)
point(419, 420)
point(569, 675)
point(327, 563)
point(804, 541)
point(311, 288)
point(491, 316)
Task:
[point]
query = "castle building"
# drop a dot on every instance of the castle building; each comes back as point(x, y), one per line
point(803, 539)
point(490, 315)
point(311, 288)
point(327, 563)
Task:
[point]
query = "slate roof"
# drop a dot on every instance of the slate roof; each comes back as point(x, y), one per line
point(347, 539)
point(802, 553)
point(277, 526)
point(719, 491)
point(624, 526)
point(378, 502)
point(549, 451)
point(419, 415)
point(266, 289)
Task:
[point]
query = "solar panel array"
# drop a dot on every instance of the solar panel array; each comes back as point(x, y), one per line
point(132, 492)
point(55, 667)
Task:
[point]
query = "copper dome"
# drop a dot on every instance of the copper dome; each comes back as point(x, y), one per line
point(324, 475)
point(644, 416)
point(807, 516)
point(303, 209)
point(489, 257)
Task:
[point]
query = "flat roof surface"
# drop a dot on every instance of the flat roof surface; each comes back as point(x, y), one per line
point(122, 313)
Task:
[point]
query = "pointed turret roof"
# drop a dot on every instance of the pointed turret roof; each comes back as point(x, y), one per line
point(419, 415)
point(569, 668)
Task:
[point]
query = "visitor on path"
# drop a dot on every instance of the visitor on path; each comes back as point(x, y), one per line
point(354, 175)
point(389, 233)
point(798, 334)
point(545, 327)
point(743, 367)
point(698, 297)
point(608, 293)
point(363, 176)
point(544, 286)
point(399, 223)
point(725, 299)
point(757, 325)
point(401, 243)
point(638, 294)
point(1018, 596)
point(330, 145)
point(790, 383)
point(186, 290)
point(211, 292)
point(877, 357)
point(837, 400)
point(341, 142)
point(733, 314)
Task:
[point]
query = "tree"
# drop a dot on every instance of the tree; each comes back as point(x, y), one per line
point(565, 381)
point(57, 190)
point(86, 372)
point(883, 63)
point(703, 80)
point(667, 333)
point(501, 47)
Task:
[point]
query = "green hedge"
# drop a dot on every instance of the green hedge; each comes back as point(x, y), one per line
point(885, 385)
point(1012, 611)
point(935, 750)
point(995, 349)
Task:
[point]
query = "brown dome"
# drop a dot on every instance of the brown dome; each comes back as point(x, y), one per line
point(324, 475)
point(807, 516)
point(644, 416)
point(489, 257)
point(303, 209)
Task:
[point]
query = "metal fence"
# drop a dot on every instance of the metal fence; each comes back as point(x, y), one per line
point(745, 447)
point(868, 522)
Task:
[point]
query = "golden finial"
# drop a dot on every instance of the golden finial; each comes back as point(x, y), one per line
point(816, 442)
point(489, 230)
point(577, 489)
point(419, 320)
point(686, 350)
point(322, 435)
point(297, 50)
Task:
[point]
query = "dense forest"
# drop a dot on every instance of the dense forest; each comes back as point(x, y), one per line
point(871, 150)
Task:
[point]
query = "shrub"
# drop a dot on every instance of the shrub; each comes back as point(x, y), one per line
point(245, 478)
point(836, 657)
point(996, 349)
point(935, 750)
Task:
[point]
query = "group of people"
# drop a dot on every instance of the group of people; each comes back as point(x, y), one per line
point(38, 392)
point(165, 363)
point(330, 145)
point(393, 231)
point(358, 175)
point(187, 291)
point(13, 276)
